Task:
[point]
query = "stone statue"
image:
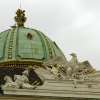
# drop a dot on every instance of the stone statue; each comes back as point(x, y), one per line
point(73, 66)
point(73, 69)
point(74, 62)
point(23, 81)
point(9, 83)
point(74, 59)
point(20, 81)
point(76, 69)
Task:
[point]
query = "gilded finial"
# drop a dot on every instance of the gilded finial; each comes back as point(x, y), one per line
point(20, 18)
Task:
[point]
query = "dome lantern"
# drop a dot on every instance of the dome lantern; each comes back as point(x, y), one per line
point(20, 18)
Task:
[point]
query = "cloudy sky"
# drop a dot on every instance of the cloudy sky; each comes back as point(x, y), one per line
point(73, 24)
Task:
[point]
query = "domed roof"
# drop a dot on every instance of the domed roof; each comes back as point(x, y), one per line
point(22, 48)
point(21, 44)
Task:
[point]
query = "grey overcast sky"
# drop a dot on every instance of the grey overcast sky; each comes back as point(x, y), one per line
point(73, 24)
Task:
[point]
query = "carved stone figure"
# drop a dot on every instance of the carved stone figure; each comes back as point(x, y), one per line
point(73, 66)
point(74, 62)
point(78, 70)
point(20, 81)
point(9, 83)
point(71, 70)
point(23, 81)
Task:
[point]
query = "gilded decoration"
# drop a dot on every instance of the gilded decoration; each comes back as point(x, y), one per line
point(20, 17)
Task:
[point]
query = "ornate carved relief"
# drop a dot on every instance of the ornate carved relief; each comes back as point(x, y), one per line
point(71, 70)
point(20, 81)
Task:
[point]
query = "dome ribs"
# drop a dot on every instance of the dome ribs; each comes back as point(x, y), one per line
point(21, 51)
point(11, 45)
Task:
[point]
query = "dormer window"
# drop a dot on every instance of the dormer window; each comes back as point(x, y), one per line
point(29, 36)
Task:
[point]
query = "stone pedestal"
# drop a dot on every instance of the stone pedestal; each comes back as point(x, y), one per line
point(55, 90)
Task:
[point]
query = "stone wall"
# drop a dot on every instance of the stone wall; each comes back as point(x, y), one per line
point(40, 98)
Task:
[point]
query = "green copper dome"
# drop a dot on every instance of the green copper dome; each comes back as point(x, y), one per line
point(20, 44)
